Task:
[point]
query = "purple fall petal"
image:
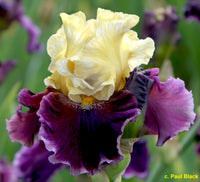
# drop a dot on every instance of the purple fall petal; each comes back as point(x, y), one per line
point(32, 163)
point(170, 109)
point(7, 172)
point(139, 164)
point(33, 31)
point(192, 10)
point(22, 127)
point(85, 138)
point(5, 68)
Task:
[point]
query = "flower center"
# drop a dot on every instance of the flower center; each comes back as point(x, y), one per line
point(88, 101)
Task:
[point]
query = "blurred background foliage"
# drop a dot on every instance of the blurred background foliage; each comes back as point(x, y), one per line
point(31, 69)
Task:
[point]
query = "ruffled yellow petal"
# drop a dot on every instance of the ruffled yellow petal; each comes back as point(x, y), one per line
point(86, 78)
point(57, 81)
point(126, 21)
point(56, 47)
point(136, 51)
point(77, 32)
point(92, 58)
point(110, 53)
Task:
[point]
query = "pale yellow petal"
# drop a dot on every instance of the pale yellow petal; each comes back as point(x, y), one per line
point(104, 50)
point(143, 53)
point(58, 82)
point(136, 51)
point(77, 33)
point(93, 58)
point(57, 44)
point(99, 76)
point(128, 20)
point(86, 78)
point(56, 47)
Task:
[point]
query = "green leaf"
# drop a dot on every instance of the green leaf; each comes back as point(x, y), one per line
point(116, 171)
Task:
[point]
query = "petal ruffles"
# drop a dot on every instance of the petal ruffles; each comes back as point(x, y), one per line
point(86, 139)
point(94, 57)
point(170, 109)
point(169, 105)
point(23, 126)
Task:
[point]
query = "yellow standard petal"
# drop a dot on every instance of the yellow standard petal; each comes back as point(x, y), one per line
point(110, 56)
point(56, 47)
point(92, 58)
point(76, 32)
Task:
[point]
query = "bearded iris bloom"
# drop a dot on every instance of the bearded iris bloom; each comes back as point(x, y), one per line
point(95, 89)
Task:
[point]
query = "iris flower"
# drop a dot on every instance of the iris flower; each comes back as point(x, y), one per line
point(95, 89)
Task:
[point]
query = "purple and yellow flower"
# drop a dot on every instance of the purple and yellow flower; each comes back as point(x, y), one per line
point(95, 89)
point(13, 11)
point(192, 10)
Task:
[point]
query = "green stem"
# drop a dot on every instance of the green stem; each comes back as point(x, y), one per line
point(189, 138)
point(184, 144)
